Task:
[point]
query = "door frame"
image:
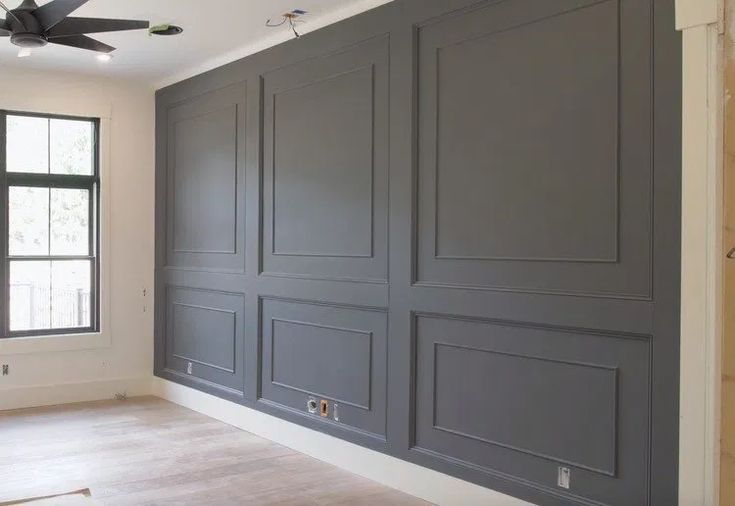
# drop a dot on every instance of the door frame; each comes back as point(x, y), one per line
point(701, 23)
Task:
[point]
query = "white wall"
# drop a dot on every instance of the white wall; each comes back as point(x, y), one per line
point(49, 371)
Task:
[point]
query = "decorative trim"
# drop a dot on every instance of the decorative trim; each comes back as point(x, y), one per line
point(272, 194)
point(691, 13)
point(55, 343)
point(565, 497)
point(344, 330)
point(240, 107)
point(434, 137)
point(410, 478)
point(170, 289)
point(426, 251)
point(173, 129)
point(279, 36)
point(231, 313)
point(701, 266)
point(190, 379)
point(416, 315)
point(352, 430)
point(612, 471)
point(67, 393)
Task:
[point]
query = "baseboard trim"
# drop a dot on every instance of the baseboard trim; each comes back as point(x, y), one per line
point(410, 478)
point(66, 393)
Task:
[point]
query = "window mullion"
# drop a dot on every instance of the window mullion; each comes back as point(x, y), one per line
point(48, 225)
point(51, 180)
point(42, 258)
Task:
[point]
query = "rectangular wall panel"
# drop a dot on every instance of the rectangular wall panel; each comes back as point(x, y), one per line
point(324, 351)
point(191, 322)
point(323, 348)
point(205, 338)
point(325, 174)
point(206, 183)
point(525, 400)
point(305, 221)
point(533, 175)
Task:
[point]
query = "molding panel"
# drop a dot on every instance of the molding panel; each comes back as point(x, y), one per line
point(205, 140)
point(461, 226)
point(326, 352)
point(205, 338)
point(533, 399)
point(325, 177)
point(557, 199)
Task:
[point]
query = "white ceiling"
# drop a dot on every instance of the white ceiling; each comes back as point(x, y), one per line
point(215, 32)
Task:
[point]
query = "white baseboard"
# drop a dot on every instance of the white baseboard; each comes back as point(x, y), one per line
point(65, 393)
point(410, 478)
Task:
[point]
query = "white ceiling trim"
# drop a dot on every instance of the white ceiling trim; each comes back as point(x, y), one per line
point(278, 37)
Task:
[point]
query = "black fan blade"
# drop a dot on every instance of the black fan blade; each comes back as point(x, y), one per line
point(10, 13)
point(77, 26)
point(4, 29)
point(54, 12)
point(83, 42)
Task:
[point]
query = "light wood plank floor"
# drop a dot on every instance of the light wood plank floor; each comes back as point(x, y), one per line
point(147, 451)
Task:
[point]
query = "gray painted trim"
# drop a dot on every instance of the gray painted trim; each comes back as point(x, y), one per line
point(631, 315)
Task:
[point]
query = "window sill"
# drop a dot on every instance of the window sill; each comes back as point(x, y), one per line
point(54, 343)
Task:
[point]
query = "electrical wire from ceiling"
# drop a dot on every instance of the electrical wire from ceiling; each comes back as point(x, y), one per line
point(289, 19)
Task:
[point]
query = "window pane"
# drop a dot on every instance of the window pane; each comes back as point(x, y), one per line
point(27, 144)
point(71, 299)
point(69, 221)
point(71, 147)
point(30, 295)
point(28, 220)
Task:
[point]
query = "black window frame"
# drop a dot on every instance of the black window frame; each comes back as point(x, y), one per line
point(49, 180)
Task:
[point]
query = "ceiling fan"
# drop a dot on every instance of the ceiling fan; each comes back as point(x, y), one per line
point(30, 26)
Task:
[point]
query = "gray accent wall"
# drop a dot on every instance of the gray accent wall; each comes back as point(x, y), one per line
point(456, 220)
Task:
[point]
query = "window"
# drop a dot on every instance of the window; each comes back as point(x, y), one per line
point(50, 234)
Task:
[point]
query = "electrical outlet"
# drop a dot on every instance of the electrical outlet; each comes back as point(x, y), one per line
point(188, 368)
point(6, 369)
point(564, 477)
point(335, 412)
point(311, 406)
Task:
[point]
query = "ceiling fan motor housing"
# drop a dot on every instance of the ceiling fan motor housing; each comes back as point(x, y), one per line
point(30, 34)
point(28, 40)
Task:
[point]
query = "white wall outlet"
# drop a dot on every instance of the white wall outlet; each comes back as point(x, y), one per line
point(188, 368)
point(564, 477)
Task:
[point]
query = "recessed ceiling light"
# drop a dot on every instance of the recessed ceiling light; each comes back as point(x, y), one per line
point(165, 30)
point(104, 57)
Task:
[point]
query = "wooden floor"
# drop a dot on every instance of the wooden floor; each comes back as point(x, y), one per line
point(149, 451)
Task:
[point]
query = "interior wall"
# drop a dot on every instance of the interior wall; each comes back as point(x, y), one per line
point(39, 373)
point(275, 231)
